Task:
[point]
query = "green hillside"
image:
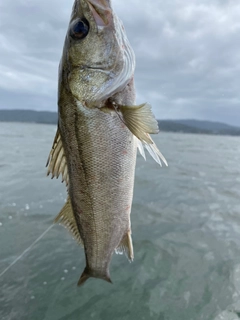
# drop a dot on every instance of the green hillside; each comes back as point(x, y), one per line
point(186, 126)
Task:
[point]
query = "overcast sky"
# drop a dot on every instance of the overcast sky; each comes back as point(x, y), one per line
point(187, 52)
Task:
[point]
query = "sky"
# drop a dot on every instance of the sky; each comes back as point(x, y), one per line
point(187, 54)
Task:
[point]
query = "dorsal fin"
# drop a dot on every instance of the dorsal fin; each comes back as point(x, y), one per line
point(126, 246)
point(66, 218)
point(56, 162)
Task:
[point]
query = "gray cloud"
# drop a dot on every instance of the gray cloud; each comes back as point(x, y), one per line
point(187, 54)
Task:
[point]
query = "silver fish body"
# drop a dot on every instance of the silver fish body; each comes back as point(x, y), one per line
point(99, 129)
point(101, 155)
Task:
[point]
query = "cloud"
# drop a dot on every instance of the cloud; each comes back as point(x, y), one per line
point(187, 55)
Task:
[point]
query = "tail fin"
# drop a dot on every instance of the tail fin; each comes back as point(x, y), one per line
point(83, 278)
point(87, 273)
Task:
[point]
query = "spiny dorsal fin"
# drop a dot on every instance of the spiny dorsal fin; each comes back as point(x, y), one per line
point(56, 162)
point(126, 246)
point(140, 121)
point(66, 218)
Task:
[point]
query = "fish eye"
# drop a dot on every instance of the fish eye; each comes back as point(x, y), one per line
point(79, 30)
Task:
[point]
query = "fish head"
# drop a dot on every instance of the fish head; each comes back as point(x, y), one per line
point(97, 60)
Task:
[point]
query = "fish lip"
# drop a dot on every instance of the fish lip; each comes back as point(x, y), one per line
point(96, 68)
point(101, 11)
point(102, 69)
point(101, 4)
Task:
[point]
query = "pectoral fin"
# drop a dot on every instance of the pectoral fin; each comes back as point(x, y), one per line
point(141, 122)
point(66, 218)
point(126, 246)
point(56, 162)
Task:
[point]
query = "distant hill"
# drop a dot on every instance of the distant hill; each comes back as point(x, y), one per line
point(186, 126)
point(28, 116)
point(206, 125)
point(198, 126)
point(174, 126)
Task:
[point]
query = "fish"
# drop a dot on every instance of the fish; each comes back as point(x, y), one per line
point(99, 130)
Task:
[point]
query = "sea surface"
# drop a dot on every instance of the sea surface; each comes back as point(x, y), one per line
point(186, 235)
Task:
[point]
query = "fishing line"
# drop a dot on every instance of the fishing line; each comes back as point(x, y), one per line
point(26, 250)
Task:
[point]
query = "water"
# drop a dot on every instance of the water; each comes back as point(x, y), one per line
point(186, 235)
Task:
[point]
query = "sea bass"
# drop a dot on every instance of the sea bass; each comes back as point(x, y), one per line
point(99, 130)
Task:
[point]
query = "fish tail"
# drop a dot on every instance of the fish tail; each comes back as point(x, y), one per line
point(83, 277)
point(87, 273)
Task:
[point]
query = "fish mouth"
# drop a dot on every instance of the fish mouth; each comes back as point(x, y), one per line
point(97, 68)
point(101, 11)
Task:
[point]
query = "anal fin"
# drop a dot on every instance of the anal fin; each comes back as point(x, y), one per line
point(66, 218)
point(126, 246)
